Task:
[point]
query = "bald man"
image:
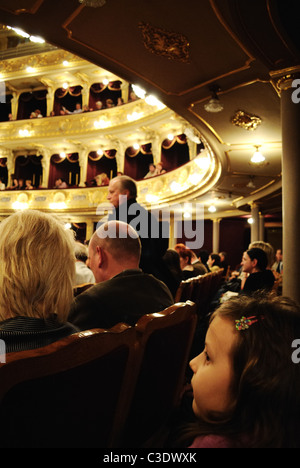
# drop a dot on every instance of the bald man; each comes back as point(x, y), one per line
point(123, 292)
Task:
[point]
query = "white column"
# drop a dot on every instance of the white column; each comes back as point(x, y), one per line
point(216, 235)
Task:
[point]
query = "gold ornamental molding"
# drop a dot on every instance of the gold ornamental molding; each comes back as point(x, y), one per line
point(246, 121)
point(172, 45)
point(283, 79)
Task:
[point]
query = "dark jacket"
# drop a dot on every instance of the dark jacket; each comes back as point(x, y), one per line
point(124, 298)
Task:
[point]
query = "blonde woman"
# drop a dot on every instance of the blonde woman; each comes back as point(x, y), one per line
point(37, 270)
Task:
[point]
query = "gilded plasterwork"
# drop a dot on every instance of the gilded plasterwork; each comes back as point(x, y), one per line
point(246, 121)
point(174, 46)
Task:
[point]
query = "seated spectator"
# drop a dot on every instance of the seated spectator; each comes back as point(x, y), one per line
point(38, 114)
point(28, 185)
point(21, 185)
point(36, 280)
point(255, 262)
point(77, 110)
point(83, 274)
point(109, 103)
point(267, 248)
point(223, 261)
point(277, 266)
point(172, 261)
point(120, 101)
point(198, 265)
point(15, 183)
point(151, 172)
point(60, 184)
point(86, 108)
point(242, 378)
point(123, 292)
point(101, 179)
point(214, 262)
point(98, 105)
point(159, 169)
point(2, 184)
point(188, 271)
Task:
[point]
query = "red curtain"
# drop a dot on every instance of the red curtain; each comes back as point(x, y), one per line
point(66, 168)
point(29, 168)
point(137, 162)
point(67, 98)
point(101, 163)
point(29, 102)
point(174, 153)
point(101, 92)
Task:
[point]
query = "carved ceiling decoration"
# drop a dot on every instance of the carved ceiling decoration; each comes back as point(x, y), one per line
point(174, 46)
point(246, 121)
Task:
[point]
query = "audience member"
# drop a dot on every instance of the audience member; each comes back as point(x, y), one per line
point(159, 169)
point(123, 292)
point(77, 110)
point(101, 179)
point(2, 184)
point(185, 256)
point(28, 184)
point(255, 262)
point(277, 266)
point(120, 101)
point(60, 184)
point(21, 185)
point(36, 280)
point(223, 261)
point(245, 384)
point(267, 248)
point(122, 194)
point(109, 103)
point(151, 172)
point(98, 105)
point(15, 184)
point(198, 265)
point(172, 261)
point(214, 262)
point(83, 274)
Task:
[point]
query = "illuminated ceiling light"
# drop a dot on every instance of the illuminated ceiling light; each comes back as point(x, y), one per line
point(136, 146)
point(65, 85)
point(187, 215)
point(67, 226)
point(65, 63)
point(105, 81)
point(100, 152)
point(250, 220)
point(20, 32)
point(62, 155)
point(257, 157)
point(24, 133)
point(170, 136)
point(141, 93)
point(37, 40)
point(153, 101)
point(212, 209)
point(29, 69)
point(20, 206)
point(93, 3)
point(214, 105)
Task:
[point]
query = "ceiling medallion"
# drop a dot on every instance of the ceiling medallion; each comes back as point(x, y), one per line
point(174, 46)
point(246, 121)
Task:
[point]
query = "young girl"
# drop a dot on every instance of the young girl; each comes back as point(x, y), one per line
point(246, 388)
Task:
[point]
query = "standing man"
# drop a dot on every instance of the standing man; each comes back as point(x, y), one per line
point(122, 194)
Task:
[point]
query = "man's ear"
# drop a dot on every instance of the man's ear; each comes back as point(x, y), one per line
point(254, 262)
point(99, 252)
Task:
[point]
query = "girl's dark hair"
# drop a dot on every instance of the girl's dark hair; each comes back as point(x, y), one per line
point(265, 410)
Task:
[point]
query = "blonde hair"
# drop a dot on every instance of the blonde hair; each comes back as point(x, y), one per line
point(267, 248)
point(37, 266)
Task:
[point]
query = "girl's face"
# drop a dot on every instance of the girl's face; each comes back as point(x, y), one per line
point(213, 369)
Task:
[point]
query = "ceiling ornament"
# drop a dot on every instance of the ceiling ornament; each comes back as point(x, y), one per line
point(174, 46)
point(246, 121)
point(93, 3)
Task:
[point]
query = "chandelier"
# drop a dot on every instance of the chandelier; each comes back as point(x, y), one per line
point(93, 3)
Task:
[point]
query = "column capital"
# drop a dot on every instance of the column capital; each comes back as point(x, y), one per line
point(283, 79)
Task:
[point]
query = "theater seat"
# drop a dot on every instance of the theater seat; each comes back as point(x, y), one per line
point(165, 340)
point(70, 394)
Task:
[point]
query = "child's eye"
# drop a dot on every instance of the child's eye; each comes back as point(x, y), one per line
point(207, 358)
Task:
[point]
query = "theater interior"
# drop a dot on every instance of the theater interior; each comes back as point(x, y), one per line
point(209, 89)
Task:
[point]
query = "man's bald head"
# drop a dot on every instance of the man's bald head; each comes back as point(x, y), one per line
point(119, 239)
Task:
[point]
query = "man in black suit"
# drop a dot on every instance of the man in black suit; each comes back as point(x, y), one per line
point(123, 292)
